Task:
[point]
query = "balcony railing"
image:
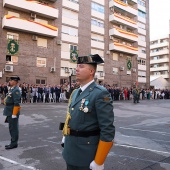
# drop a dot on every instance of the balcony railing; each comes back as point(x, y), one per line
point(126, 7)
point(123, 33)
point(24, 25)
point(33, 7)
point(118, 18)
point(123, 48)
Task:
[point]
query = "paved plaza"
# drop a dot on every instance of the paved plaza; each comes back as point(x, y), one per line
point(142, 140)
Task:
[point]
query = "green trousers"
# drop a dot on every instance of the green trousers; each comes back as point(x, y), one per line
point(71, 167)
point(13, 130)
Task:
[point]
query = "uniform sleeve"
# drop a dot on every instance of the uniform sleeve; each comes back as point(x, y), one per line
point(16, 97)
point(105, 115)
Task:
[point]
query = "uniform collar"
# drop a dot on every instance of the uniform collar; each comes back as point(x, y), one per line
point(86, 85)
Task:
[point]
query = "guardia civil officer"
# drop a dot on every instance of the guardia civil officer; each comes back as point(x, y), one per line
point(88, 130)
point(12, 111)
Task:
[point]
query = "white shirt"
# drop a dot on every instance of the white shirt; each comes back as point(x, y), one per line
point(86, 85)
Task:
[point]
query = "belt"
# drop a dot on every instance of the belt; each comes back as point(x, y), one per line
point(84, 133)
point(9, 104)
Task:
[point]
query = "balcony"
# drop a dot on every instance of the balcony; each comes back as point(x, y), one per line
point(142, 67)
point(97, 44)
point(141, 31)
point(14, 23)
point(162, 68)
point(141, 43)
point(142, 55)
point(135, 1)
point(32, 6)
point(97, 14)
point(123, 34)
point(142, 79)
point(122, 20)
point(163, 60)
point(69, 38)
point(123, 6)
point(123, 48)
point(73, 5)
point(70, 21)
point(158, 45)
point(97, 29)
point(160, 52)
point(165, 76)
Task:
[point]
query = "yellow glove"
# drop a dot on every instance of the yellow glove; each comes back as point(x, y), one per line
point(102, 151)
point(16, 109)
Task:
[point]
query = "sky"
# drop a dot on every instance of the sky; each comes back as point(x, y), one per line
point(159, 18)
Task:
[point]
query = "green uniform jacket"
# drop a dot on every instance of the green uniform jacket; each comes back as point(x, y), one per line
point(12, 99)
point(80, 151)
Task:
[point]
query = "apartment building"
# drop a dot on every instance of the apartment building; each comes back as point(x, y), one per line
point(40, 40)
point(159, 58)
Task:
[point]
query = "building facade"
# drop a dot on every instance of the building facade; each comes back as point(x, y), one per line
point(40, 40)
point(160, 58)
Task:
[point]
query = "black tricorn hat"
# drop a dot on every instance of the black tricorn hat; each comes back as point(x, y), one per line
point(15, 78)
point(90, 59)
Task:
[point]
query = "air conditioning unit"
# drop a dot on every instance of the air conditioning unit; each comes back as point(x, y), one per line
point(74, 72)
point(67, 70)
point(121, 68)
point(108, 52)
point(134, 70)
point(59, 42)
point(111, 38)
point(9, 68)
point(34, 38)
point(101, 74)
point(120, 55)
point(33, 16)
point(52, 69)
point(111, 8)
point(138, 58)
point(0, 73)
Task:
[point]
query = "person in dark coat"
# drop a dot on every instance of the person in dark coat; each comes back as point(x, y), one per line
point(12, 111)
point(88, 130)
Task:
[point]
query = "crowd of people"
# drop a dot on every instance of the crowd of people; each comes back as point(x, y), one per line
point(60, 93)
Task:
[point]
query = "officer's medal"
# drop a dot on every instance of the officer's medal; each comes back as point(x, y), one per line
point(82, 102)
point(86, 108)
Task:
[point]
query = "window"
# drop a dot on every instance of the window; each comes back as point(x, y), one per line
point(41, 81)
point(41, 62)
point(115, 70)
point(75, 1)
point(142, 62)
point(97, 7)
point(41, 21)
point(69, 30)
point(140, 25)
point(11, 59)
point(13, 14)
point(70, 14)
point(12, 36)
point(100, 52)
point(115, 56)
point(97, 23)
point(97, 37)
point(41, 42)
point(141, 74)
point(141, 14)
point(129, 58)
point(143, 38)
point(73, 48)
point(142, 3)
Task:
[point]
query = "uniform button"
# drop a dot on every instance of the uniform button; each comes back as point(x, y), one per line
point(88, 142)
point(72, 108)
